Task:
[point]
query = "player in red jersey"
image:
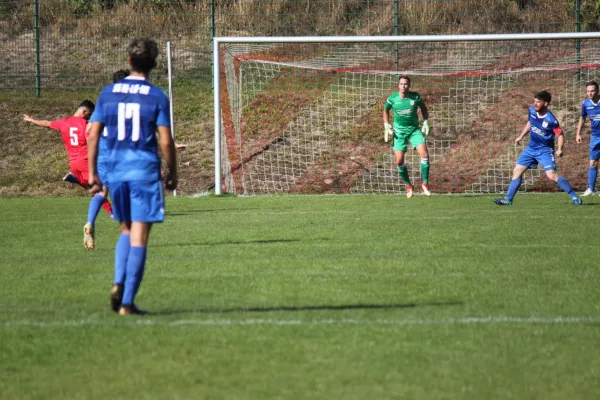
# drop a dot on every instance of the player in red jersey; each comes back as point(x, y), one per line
point(74, 137)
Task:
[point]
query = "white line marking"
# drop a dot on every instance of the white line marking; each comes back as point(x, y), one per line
point(149, 321)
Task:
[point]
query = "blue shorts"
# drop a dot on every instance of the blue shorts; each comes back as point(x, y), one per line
point(595, 148)
point(102, 173)
point(531, 157)
point(138, 201)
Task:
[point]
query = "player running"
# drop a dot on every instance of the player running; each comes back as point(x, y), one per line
point(591, 108)
point(73, 132)
point(132, 110)
point(404, 104)
point(542, 127)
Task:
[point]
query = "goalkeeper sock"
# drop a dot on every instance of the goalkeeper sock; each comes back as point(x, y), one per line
point(592, 175)
point(564, 185)
point(135, 272)
point(403, 172)
point(513, 187)
point(94, 208)
point(121, 256)
point(425, 170)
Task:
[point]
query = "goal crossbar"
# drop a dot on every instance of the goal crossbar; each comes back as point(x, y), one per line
point(218, 41)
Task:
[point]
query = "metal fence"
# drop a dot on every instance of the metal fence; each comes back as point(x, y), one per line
point(62, 44)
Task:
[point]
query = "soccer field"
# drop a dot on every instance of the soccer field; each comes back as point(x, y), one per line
point(308, 297)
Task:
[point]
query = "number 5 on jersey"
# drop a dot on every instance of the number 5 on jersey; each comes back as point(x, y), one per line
point(74, 137)
point(129, 111)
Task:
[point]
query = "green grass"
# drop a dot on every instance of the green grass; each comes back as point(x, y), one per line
point(325, 297)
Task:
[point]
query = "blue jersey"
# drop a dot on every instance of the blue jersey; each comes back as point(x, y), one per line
point(589, 109)
point(543, 129)
point(131, 110)
point(102, 149)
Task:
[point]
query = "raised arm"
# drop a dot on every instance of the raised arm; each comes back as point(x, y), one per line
point(42, 123)
point(167, 147)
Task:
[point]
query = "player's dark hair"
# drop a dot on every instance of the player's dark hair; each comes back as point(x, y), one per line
point(88, 104)
point(404, 77)
point(142, 54)
point(592, 83)
point(544, 95)
point(120, 75)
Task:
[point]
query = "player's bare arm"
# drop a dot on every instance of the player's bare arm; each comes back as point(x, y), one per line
point(523, 133)
point(579, 127)
point(560, 141)
point(42, 123)
point(388, 132)
point(424, 111)
point(92, 142)
point(167, 147)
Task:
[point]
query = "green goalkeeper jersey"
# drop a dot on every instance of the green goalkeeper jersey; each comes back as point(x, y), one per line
point(406, 119)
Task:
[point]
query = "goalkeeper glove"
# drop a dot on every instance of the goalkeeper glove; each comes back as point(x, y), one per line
point(425, 128)
point(388, 132)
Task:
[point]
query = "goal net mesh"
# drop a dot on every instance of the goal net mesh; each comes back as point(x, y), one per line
point(307, 118)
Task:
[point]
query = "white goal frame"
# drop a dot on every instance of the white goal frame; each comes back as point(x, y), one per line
point(217, 41)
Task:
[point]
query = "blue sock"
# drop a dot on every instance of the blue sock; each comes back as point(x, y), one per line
point(513, 187)
point(95, 205)
point(135, 272)
point(564, 185)
point(592, 175)
point(121, 256)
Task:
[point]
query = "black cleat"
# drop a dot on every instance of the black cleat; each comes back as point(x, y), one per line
point(116, 296)
point(503, 202)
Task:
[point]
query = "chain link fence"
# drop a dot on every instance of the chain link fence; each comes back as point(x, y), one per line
point(66, 44)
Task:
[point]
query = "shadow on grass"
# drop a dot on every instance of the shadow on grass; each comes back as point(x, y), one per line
point(340, 307)
point(216, 210)
point(228, 243)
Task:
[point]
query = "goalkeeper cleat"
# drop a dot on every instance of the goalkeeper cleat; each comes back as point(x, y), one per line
point(589, 192)
point(503, 202)
point(88, 236)
point(426, 190)
point(131, 309)
point(577, 201)
point(116, 296)
point(409, 191)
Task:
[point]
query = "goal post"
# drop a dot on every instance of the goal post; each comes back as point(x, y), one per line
point(303, 114)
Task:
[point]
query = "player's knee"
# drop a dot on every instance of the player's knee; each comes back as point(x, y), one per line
point(552, 175)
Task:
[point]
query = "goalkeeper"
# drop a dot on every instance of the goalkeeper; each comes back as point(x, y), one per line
point(404, 104)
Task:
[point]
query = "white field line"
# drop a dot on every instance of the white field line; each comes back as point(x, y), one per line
point(149, 321)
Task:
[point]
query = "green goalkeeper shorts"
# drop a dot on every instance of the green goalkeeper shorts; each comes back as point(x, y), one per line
point(401, 140)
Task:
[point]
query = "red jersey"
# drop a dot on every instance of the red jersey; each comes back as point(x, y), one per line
point(72, 130)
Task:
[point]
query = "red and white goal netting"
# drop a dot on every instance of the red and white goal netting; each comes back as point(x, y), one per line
point(307, 118)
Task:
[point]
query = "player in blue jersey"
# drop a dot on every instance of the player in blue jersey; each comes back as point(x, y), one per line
point(132, 111)
point(591, 108)
point(89, 228)
point(543, 127)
